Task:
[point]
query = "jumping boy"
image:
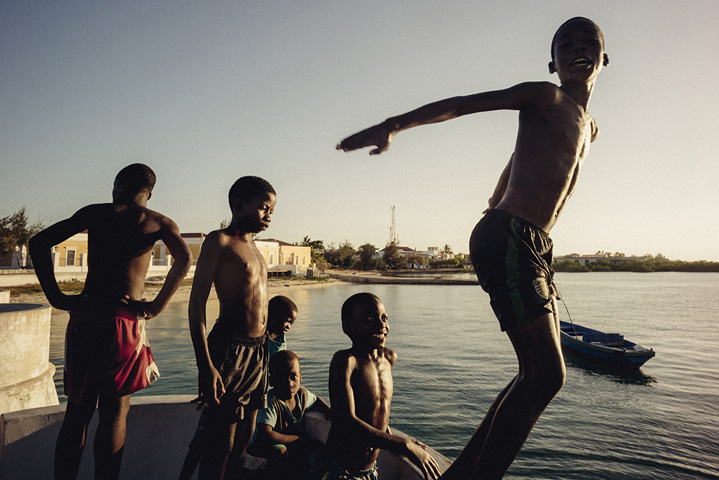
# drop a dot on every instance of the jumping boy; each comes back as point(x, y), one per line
point(232, 360)
point(281, 315)
point(280, 438)
point(510, 246)
point(107, 320)
point(361, 388)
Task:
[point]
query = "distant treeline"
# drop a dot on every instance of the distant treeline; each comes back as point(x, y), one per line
point(648, 265)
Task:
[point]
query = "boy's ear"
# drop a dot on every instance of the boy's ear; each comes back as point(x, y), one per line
point(606, 60)
point(236, 204)
point(552, 68)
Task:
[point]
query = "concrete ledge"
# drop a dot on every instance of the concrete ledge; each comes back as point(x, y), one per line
point(158, 431)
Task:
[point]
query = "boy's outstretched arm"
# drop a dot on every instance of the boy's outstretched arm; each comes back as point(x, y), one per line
point(210, 383)
point(182, 260)
point(343, 412)
point(518, 97)
point(40, 247)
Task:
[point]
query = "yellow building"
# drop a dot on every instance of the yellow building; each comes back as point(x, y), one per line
point(282, 257)
point(72, 252)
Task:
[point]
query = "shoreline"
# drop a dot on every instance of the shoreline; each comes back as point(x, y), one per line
point(274, 287)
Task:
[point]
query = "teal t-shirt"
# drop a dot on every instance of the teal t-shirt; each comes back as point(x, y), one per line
point(277, 345)
point(278, 415)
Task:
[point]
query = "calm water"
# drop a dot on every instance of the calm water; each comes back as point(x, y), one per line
point(658, 423)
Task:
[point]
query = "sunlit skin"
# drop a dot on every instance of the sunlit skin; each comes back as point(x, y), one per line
point(553, 139)
point(230, 260)
point(121, 236)
point(361, 393)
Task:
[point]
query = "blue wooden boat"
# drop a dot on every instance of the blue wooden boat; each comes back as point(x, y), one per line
point(610, 348)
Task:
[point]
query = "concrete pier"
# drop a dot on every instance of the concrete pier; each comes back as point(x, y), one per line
point(26, 373)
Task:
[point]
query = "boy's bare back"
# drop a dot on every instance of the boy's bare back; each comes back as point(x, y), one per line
point(121, 236)
point(120, 241)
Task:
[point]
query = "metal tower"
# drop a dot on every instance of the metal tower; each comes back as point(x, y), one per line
point(393, 238)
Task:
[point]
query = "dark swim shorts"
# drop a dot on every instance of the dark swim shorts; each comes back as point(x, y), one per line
point(242, 364)
point(513, 262)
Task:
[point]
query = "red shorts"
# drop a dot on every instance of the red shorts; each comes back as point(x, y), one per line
point(106, 354)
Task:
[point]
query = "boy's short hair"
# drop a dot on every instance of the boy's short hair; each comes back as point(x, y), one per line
point(280, 360)
point(249, 187)
point(348, 308)
point(136, 178)
point(575, 19)
point(281, 306)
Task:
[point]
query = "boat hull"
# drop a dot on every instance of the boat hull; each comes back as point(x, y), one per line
point(576, 339)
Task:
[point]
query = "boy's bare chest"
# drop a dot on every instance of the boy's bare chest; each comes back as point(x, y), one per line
point(373, 380)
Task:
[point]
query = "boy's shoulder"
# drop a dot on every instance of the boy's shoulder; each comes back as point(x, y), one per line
point(348, 355)
point(541, 93)
point(390, 355)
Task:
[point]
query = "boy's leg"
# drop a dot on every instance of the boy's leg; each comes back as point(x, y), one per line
point(541, 376)
point(220, 441)
point(110, 435)
point(192, 459)
point(464, 464)
point(71, 440)
point(243, 434)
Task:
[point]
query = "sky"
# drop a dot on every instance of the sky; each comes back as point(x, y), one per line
point(207, 92)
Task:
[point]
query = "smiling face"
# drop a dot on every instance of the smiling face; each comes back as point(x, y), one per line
point(578, 51)
point(254, 215)
point(367, 323)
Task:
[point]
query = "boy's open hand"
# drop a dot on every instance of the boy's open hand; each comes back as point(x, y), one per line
point(418, 453)
point(379, 136)
point(211, 386)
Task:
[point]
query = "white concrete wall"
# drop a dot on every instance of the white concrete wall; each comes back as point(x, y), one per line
point(26, 373)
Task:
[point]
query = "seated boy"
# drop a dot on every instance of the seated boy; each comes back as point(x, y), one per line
point(279, 435)
point(361, 393)
point(281, 315)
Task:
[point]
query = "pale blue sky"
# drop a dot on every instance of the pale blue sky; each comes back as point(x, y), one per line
point(206, 92)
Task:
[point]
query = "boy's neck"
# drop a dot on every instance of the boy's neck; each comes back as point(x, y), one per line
point(579, 92)
point(237, 229)
point(359, 350)
point(274, 336)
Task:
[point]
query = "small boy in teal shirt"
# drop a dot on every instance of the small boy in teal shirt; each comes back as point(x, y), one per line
point(279, 435)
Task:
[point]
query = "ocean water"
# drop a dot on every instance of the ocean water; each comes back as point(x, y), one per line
point(660, 422)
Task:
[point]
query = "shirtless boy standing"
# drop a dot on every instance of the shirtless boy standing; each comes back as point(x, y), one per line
point(106, 324)
point(232, 360)
point(510, 247)
point(360, 394)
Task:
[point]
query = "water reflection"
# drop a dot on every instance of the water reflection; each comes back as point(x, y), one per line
point(617, 373)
